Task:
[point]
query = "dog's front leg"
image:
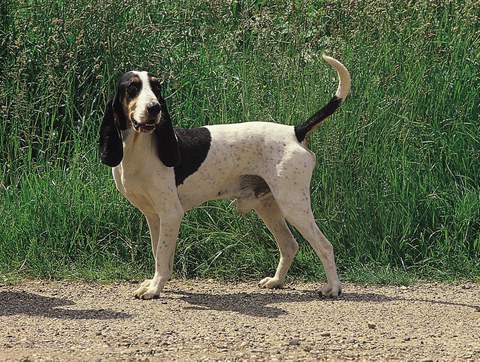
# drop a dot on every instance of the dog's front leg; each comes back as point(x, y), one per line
point(153, 221)
point(164, 232)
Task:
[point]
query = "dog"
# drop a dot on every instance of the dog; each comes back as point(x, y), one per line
point(166, 171)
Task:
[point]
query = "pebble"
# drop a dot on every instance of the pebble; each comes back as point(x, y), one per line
point(371, 325)
point(294, 342)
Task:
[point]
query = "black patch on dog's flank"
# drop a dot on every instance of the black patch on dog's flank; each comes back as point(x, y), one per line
point(302, 130)
point(194, 145)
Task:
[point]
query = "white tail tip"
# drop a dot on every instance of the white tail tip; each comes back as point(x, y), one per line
point(343, 77)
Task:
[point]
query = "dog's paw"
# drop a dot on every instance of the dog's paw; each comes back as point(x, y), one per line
point(332, 291)
point(270, 283)
point(146, 291)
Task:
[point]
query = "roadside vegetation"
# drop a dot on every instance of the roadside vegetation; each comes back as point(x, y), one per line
point(397, 185)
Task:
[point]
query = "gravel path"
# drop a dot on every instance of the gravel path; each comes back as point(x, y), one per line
point(199, 320)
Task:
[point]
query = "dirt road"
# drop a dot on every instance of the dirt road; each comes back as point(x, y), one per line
point(210, 320)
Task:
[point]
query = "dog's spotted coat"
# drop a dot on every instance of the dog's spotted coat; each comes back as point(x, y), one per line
point(166, 171)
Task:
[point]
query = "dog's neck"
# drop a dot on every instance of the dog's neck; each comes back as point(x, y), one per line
point(138, 148)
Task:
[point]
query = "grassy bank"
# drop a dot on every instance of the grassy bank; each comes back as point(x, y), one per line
point(397, 186)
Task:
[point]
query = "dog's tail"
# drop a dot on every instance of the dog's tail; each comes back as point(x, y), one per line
point(302, 130)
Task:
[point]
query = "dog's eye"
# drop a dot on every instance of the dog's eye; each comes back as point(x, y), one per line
point(156, 87)
point(133, 89)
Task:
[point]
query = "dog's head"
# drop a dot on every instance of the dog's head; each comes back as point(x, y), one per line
point(137, 104)
point(139, 96)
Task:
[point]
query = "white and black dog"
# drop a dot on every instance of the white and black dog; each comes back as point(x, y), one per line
point(165, 171)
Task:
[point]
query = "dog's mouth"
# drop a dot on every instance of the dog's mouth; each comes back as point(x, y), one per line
point(148, 127)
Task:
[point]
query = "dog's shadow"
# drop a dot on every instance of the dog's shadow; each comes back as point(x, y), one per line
point(257, 304)
point(31, 304)
point(263, 304)
point(253, 304)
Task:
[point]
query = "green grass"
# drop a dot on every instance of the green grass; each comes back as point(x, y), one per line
point(397, 186)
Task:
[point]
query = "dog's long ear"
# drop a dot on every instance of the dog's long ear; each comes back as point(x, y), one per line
point(111, 148)
point(167, 144)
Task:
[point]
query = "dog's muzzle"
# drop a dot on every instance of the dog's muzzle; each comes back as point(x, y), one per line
point(148, 127)
point(153, 116)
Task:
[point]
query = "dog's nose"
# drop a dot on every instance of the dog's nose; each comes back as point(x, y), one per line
point(153, 109)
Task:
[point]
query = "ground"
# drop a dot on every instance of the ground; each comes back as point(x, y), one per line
point(197, 320)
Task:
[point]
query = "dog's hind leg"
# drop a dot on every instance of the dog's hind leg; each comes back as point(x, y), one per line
point(295, 205)
point(300, 215)
point(273, 217)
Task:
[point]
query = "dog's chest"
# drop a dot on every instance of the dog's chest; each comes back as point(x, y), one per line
point(141, 186)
